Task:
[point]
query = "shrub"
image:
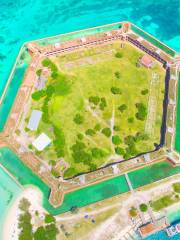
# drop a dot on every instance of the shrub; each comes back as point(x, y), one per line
point(143, 207)
point(142, 112)
point(92, 167)
point(80, 136)
point(97, 153)
point(59, 141)
point(46, 62)
point(116, 140)
point(106, 132)
point(122, 107)
point(78, 119)
point(54, 75)
point(119, 151)
point(130, 120)
point(116, 128)
point(49, 91)
point(144, 92)
point(116, 90)
point(38, 72)
point(102, 104)
point(40, 233)
point(97, 127)
point(118, 55)
point(38, 94)
point(133, 212)
point(70, 172)
point(55, 173)
point(176, 187)
point(94, 99)
point(49, 218)
point(117, 75)
point(90, 132)
point(52, 162)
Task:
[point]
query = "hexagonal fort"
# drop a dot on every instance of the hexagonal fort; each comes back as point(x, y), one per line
point(93, 99)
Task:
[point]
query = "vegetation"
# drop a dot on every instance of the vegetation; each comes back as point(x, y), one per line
point(176, 187)
point(49, 218)
point(142, 111)
point(24, 221)
point(144, 92)
point(119, 55)
point(116, 90)
point(133, 212)
point(106, 132)
point(143, 207)
point(78, 119)
point(164, 202)
point(77, 106)
point(116, 140)
point(122, 108)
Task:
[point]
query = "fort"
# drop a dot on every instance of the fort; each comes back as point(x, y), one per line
point(51, 55)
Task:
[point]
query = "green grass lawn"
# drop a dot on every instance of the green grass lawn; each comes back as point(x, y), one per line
point(97, 109)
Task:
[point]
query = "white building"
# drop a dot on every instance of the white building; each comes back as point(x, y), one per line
point(41, 142)
point(34, 120)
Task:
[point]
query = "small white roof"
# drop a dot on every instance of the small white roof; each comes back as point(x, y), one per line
point(83, 39)
point(41, 142)
point(57, 45)
point(34, 120)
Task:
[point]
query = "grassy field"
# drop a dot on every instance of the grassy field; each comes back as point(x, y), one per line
point(100, 107)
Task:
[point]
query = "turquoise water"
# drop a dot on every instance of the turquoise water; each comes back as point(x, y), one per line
point(9, 190)
point(24, 20)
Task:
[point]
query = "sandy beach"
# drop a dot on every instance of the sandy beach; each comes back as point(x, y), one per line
point(10, 229)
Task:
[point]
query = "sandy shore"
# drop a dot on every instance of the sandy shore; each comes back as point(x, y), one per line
point(10, 229)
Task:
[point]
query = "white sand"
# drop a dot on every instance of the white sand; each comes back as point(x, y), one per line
point(10, 229)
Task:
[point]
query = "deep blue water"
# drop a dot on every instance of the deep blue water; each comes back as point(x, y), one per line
point(24, 20)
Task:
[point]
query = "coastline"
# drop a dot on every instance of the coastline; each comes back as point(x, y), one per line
point(10, 227)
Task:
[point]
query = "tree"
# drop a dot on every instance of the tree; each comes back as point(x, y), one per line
point(38, 95)
point(176, 187)
point(133, 212)
point(38, 72)
point(142, 112)
point(90, 132)
point(92, 167)
point(102, 104)
point(118, 55)
point(94, 99)
point(143, 207)
point(106, 132)
point(25, 226)
point(49, 218)
point(97, 127)
point(119, 151)
point(80, 136)
point(51, 231)
point(122, 108)
point(69, 172)
point(117, 75)
point(78, 119)
point(116, 90)
point(24, 204)
point(40, 234)
point(116, 128)
point(97, 153)
point(46, 62)
point(144, 92)
point(130, 120)
point(116, 140)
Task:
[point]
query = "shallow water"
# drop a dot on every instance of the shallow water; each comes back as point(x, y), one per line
point(24, 20)
point(9, 190)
